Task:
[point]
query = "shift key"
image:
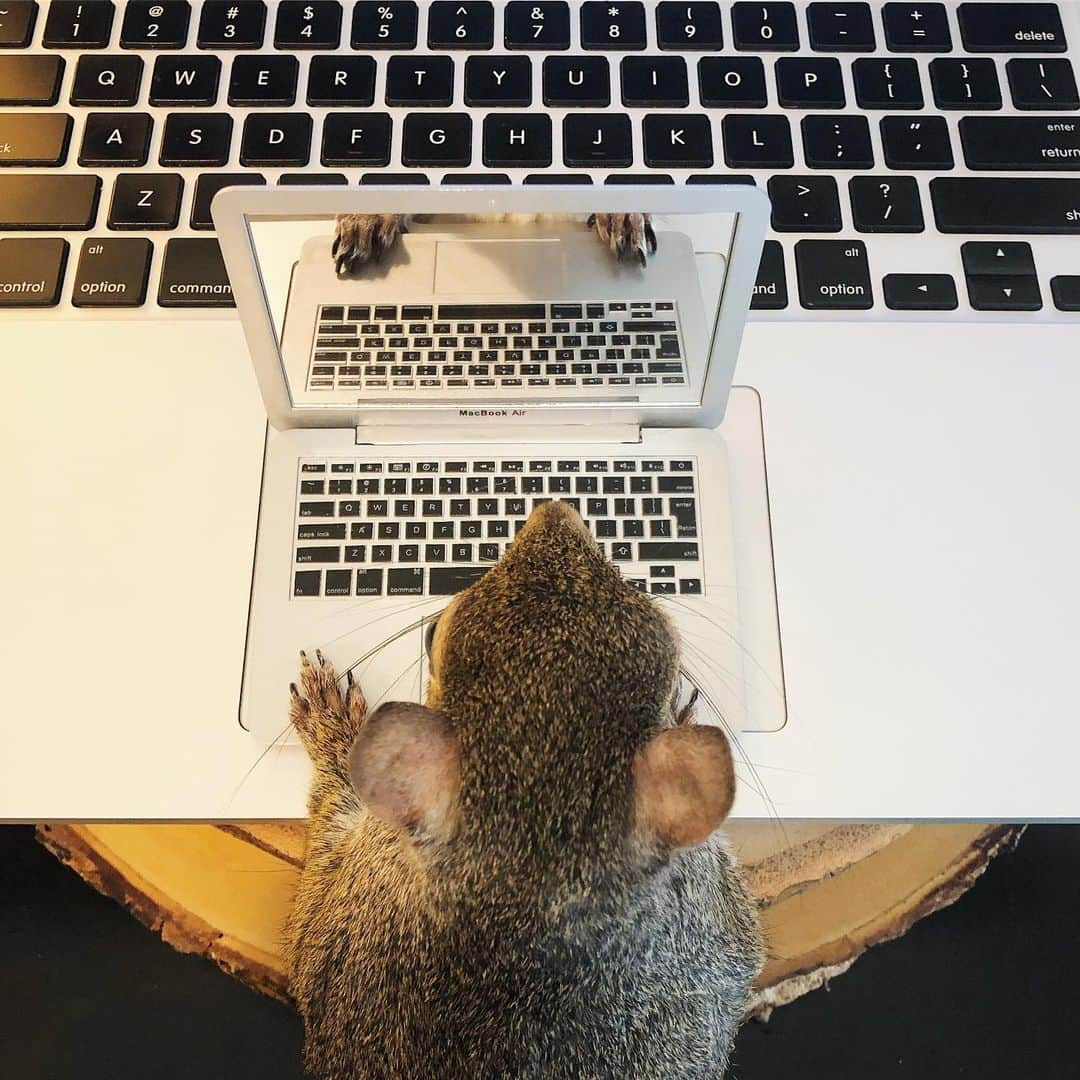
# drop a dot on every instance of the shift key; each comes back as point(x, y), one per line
point(48, 200)
point(34, 138)
point(193, 274)
point(667, 551)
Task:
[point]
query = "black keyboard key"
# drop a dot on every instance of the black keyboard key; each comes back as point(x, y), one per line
point(356, 138)
point(17, 24)
point(196, 139)
point(837, 142)
point(677, 142)
point(477, 312)
point(1011, 28)
point(338, 583)
point(840, 27)
point(804, 204)
point(1004, 293)
point(185, 80)
point(384, 24)
point(34, 138)
point(369, 582)
point(916, 142)
point(1020, 143)
point(667, 551)
point(770, 288)
point(448, 580)
point(231, 24)
point(307, 583)
point(498, 81)
point(72, 24)
point(269, 80)
point(607, 25)
point(544, 25)
point(887, 84)
point(732, 82)
point(517, 140)
point(48, 201)
point(768, 27)
point(341, 80)
point(31, 269)
point(657, 82)
point(107, 80)
point(982, 257)
point(208, 185)
point(833, 275)
point(116, 139)
point(597, 139)
point(405, 581)
point(916, 28)
point(276, 139)
point(583, 81)
point(886, 204)
point(437, 139)
point(1006, 205)
point(112, 272)
point(308, 24)
point(693, 25)
point(919, 292)
point(965, 84)
point(1042, 84)
point(757, 142)
point(155, 24)
point(325, 179)
point(193, 275)
point(809, 82)
point(1065, 289)
point(30, 80)
point(461, 24)
point(420, 80)
point(146, 201)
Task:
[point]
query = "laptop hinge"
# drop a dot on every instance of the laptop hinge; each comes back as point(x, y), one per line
point(507, 434)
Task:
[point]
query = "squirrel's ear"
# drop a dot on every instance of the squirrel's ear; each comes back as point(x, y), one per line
point(684, 785)
point(404, 765)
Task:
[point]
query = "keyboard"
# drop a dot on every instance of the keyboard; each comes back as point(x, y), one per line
point(923, 159)
point(388, 347)
point(431, 527)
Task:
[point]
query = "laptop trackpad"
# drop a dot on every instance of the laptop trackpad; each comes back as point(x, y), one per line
point(495, 267)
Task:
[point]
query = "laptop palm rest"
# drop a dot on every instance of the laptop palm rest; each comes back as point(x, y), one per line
point(531, 268)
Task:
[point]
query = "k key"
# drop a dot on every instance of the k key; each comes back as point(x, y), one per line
point(308, 25)
point(232, 24)
point(162, 24)
point(461, 24)
point(75, 25)
point(544, 25)
point(619, 25)
point(678, 142)
point(384, 24)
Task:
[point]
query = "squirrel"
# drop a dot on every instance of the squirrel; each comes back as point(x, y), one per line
point(523, 877)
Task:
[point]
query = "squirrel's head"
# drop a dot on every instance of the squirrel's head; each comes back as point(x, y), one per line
point(549, 745)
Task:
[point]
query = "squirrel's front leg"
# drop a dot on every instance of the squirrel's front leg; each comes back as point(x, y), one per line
point(362, 238)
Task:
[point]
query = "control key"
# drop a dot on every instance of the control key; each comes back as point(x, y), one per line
point(31, 269)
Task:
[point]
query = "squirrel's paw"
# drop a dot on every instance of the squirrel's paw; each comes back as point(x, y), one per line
point(322, 720)
point(363, 238)
point(629, 236)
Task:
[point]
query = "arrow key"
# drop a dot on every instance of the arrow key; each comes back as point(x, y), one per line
point(1004, 292)
point(920, 292)
point(986, 257)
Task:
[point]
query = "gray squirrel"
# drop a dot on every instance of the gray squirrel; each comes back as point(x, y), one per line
point(522, 878)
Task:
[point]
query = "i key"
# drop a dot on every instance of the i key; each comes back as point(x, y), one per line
point(146, 201)
point(619, 25)
point(764, 27)
point(384, 24)
point(72, 25)
point(657, 81)
point(308, 24)
point(461, 24)
point(544, 25)
point(112, 272)
point(690, 25)
point(226, 24)
point(159, 25)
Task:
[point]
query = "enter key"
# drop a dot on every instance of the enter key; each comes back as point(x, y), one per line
point(1029, 143)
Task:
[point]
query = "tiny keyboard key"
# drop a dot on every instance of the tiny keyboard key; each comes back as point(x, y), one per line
point(601, 139)
point(196, 139)
point(619, 25)
point(886, 204)
point(308, 24)
point(837, 142)
point(17, 24)
point(887, 84)
point(116, 139)
point(208, 185)
point(155, 25)
point(384, 24)
point(965, 84)
point(146, 201)
point(1004, 293)
point(112, 272)
point(768, 27)
point(919, 292)
point(583, 81)
point(804, 204)
point(916, 142)
point(693, 25)
point(1042, 84)
point(833, 275)
point(356, 138)
point(30, 80)
point(268, 80)
point(107, 80)
point(667, 551)
point(809, 82)
point(1065, 288)
point(1011, 28)
point(983, 257)
point(34, 138)
point(72, 24)
point(544, 25)
point(31, 270)
point(307, 583)
point(517, 140)
point(757, 142)
point(228, 24)
point(420, 80)
point(461, 24)
point(193, 274)
point(677, 142)
point(770, 288)
point(658, 82)
point(185, 80)
point(1021, 143)
point(437, 139)
point(840, 27)
point(48, 201)
point(916, 28)
point(405, 581)
point(994, 204)
point(341, 80)
point(276, 139)
point(732, 82)
point(498, 81)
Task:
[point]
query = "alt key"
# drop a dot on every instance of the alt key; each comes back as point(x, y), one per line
point(112, 272)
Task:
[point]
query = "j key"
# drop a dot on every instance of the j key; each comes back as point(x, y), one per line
point(766, 27)
point(208, 185)
point(229, 24)
point(341, 80)
point(437, 139)
point(276, 139)
point(1000, 205)
point(498, 80)
point(735, 82)
point(161, 24)
point(308, 24)
point(1042, 84)
point(656, 81)
point(146, 201)
point(193, 274)
point(982, 257)
point(185, 80)
point(448, 580)
point(607, 25)
point(419, 80)
point(44, 201)
point(833, 274)
point(1011, 28)
point(17, 24)
point(112, 272)
point(916, 142)
point(384, 24)
point(885, 204)
point(461, 24)
point(965, 84)
point(196, 139)
point(582, 80)
point(1065, 289)
point(34, 138)
point(517, 140)
point(887, 84)
point(1004, 293)
point(804, 204)
point(116, 139)
point(757, 142)
point(810, 82)
point(31, 271)
point(840, 27)
point(837, 142)
point(267, 80)
point(78, 25)
point(1020, 142)
point(678, 141)
point(30, 80)
point(770, 288)
point(544, 25)
point(916, 28)
point(919, 292)
point(597, 139)
point(690, 25)
point(358, 138)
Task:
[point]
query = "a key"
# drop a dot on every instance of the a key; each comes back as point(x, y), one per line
point(804, 204)
point(193, 275)
point(544, 25)
point(770, 287)
point(461, 24)
point(112, 272)
point(1042, 84)
point(1006, 205)
point(155, 24)
point(107, 80)
point(677, 141)
point(916, 28)
point(71, 24)
point(196, 139)
point(356, 138)
point(732, 82)
point(34, 138)
point(919, 292)
point(981, 257)
point(757, 142)
point(308, 24)
point(185, 80)
point(1004, 293)
point(916, 142)
point(420, 80)
point(384, 24)
point(1021, 143)
point(208, 185)
point(886, 204)
point(767, 27)
point(276, 139)
point(437, 139)
point(146, 201)
point(17, 24)
point(31, 269)
point(517, 140)
point(837, 142)
point(840, 27)
point(965, 84)
point(30, 80)
point(809, 82)
point(887, 84)
point(229, 24)
point(498, 81)
point(1065, 289)
point(48, 201)
point(269, 80)
point(833, 275)
point(1011, 28)
point(116, 139)
point(597, 139)
point(692, 25)
point(577, 81)
point(654, 82)
point(341, 80)
point(619, 25)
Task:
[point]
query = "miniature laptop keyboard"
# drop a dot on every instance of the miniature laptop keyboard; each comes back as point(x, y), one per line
point(431, 527)
point(538, 344)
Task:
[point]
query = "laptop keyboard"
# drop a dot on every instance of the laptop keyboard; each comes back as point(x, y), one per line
point(920, 157)
point(388, 347)
point(431, 527)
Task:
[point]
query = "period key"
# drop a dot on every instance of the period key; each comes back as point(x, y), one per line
point(112, 272)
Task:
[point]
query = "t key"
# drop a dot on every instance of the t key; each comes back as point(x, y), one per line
point(461, 24)
point(74, 25)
